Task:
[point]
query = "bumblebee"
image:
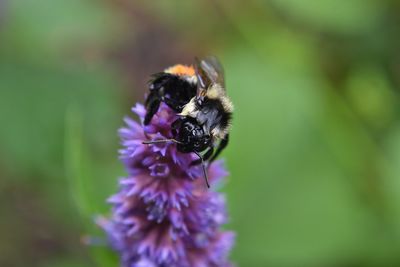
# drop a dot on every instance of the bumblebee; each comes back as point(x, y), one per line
point(198, 96)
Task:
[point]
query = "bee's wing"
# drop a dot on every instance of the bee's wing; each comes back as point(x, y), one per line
point(209, 71)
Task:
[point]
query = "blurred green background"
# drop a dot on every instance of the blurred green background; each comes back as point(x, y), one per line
point(315, 145)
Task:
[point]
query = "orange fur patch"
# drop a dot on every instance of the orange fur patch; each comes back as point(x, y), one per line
point(181, 70)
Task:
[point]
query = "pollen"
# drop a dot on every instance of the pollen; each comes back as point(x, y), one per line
point(181, 70)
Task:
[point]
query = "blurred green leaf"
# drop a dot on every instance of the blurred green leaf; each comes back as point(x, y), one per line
point(32, 105)
point(392, 177)
point(303, 158)
point(43, 30)
point(351, 16)
point(82, 183)
point(76, 162)
point(372, 96)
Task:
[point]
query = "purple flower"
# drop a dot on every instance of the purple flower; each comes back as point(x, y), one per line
point(163, 214)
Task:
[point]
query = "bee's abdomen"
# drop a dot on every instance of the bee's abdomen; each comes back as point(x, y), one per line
point(174, 88)
point(181, 70)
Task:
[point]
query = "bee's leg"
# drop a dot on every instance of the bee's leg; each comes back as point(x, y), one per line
point(152, 105)
point(204, 168)
point(221, 146)
point(206, 156)
point(156, 96)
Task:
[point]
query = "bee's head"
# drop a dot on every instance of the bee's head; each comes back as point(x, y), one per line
point(192, 136)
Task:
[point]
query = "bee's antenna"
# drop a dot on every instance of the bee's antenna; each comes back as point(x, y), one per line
point(160, 141)
point(204, 168)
